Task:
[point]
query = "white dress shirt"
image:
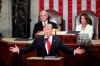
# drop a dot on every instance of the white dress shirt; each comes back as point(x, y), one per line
point(43, 23)
point(50, 39)
point(88, 30)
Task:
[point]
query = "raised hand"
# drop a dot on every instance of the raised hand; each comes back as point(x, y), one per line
point(79, 51)
point(14, 49)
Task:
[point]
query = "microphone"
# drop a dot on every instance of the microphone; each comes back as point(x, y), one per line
point(45, 40)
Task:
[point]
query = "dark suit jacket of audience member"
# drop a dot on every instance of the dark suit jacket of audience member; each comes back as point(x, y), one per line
point(39, 27)
point(39, 45)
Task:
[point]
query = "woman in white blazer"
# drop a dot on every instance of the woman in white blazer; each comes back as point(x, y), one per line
point(84, 26)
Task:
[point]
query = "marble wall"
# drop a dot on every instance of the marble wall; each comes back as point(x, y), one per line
point(6, 17)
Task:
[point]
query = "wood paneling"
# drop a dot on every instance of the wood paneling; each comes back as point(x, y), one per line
point(91, 57)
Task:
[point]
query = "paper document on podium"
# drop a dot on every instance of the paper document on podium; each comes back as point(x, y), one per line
point(61, 32)
point(45, 58)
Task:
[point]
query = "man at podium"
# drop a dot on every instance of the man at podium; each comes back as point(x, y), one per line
point(47, 45)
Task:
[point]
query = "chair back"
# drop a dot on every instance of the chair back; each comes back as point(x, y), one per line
point(56, 18)
point(94, 22)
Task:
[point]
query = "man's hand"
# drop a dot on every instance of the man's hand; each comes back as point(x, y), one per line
point(14, 49)
point(78, 51)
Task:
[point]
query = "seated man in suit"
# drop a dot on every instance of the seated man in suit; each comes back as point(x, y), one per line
point(47, 45)
point(44, 20)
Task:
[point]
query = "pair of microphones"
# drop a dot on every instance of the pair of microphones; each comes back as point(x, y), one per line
point(45, 40)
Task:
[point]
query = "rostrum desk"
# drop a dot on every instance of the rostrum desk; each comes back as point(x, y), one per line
point(67, 38)
point(8, 58)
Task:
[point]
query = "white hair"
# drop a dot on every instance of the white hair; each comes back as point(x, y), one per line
point(45, 12)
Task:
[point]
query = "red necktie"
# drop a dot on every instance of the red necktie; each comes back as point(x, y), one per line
point(48, 45)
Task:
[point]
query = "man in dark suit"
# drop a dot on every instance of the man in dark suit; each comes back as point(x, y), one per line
point(47, 45)
point(44, 20)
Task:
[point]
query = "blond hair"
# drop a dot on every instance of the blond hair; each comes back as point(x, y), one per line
point(47, 25)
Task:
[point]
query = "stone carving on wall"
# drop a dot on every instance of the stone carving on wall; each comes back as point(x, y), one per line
point(20, 16)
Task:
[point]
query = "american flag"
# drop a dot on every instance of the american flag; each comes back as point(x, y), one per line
point(68, 9)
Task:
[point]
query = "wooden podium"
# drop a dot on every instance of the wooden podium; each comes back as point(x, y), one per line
point(67, 38)
point(39, 61)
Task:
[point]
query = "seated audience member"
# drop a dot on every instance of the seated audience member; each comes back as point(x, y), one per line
point(44, 20)
point(41, 45)
point(85, 27)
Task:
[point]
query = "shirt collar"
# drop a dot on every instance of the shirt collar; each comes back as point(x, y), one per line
point(46, 22)
point(49, 37)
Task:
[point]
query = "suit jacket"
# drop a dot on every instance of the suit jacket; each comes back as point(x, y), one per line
point(39, 27)
point(39, 45)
